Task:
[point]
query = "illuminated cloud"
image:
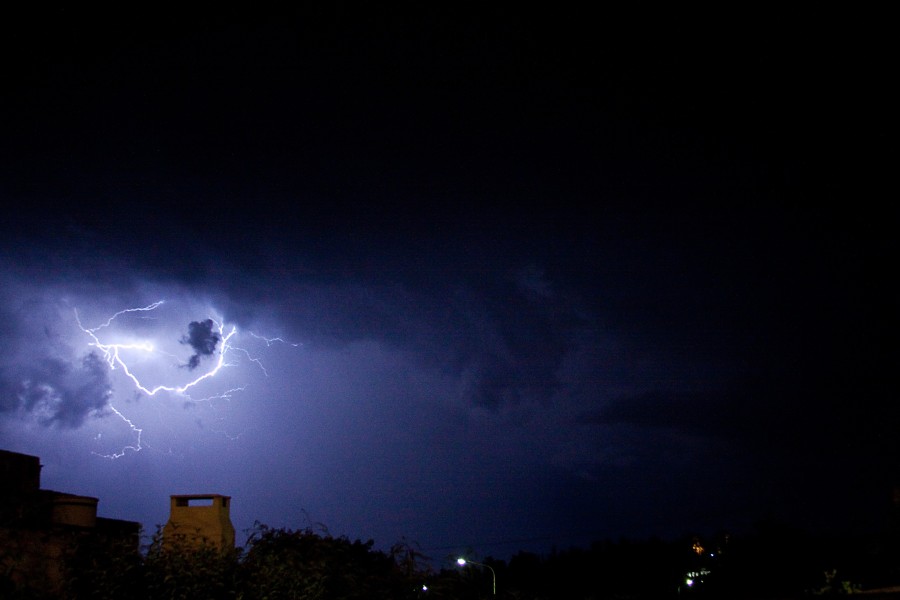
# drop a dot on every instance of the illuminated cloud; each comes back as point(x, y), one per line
point(83, 358)
point(43, 376)
point(57, 392)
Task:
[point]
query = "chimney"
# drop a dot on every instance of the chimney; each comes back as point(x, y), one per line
point(197, 520)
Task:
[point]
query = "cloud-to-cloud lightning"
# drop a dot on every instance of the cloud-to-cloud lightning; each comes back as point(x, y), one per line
point(202, 337)
point(155, 365)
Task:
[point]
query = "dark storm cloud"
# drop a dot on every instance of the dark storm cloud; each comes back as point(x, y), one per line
point(705, 413)
point(202, 339)
point(55, 391)
point(504, 341)
point(41, 378)
point(514, 335)
point(737, 412)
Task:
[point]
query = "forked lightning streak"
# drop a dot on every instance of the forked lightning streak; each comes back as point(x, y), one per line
point(118, 355)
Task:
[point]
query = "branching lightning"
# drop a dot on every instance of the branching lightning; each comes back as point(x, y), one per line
point(136, 430)
point(270, 341)
point(111, 352)
point(119, 354)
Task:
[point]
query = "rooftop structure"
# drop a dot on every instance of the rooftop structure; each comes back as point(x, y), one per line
point(199, 520)
point(41, 529)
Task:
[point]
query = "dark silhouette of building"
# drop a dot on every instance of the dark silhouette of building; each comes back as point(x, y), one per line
point(41, 529)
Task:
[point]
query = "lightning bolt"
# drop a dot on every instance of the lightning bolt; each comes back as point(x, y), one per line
point(136, 430)
point(270, 341)
point(116, 356)
point(111, 352)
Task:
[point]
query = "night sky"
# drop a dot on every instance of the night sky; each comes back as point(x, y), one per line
point(480, 278)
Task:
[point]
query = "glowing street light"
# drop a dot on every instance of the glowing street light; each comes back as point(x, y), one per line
point(463, 562)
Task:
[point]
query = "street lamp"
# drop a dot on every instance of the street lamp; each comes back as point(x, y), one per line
point(463, 562)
